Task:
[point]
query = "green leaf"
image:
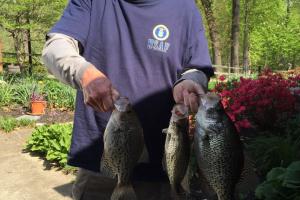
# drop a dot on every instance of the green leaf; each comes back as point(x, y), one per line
point(52, 140)
point(292, 176)
point(276, 173)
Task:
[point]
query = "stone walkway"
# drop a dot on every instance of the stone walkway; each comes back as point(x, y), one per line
point(24, 177)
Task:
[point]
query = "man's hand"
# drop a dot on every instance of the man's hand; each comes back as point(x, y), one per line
point(188, 93)
point(98, 90)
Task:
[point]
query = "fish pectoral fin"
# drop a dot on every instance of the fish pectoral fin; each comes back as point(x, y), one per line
point(165, 131)
point(144, 158)
point(105, 168)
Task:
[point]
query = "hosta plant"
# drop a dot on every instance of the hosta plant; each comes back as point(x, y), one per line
point(52, 142)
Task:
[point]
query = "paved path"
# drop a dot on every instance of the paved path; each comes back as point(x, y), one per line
point(23, 177)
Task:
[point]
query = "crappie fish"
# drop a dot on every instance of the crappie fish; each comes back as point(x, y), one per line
point(123, 146)
point(218, 147)
point(177, 148)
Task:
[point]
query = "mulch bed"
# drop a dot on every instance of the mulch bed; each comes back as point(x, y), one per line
point(50, 117)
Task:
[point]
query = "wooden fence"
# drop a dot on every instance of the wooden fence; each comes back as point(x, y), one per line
point(231, 71)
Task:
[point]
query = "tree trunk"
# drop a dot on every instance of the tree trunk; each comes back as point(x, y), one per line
point(235, 29)
point(288, 11)
point(246, 37)
point(29, 47)
point(18, 38)
point(213, 32)
point(1, 59)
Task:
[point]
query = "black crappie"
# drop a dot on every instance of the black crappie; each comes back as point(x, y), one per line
point(177, 147)
point(218, 147)
point(123, 146)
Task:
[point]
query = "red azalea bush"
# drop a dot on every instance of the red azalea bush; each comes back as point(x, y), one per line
point(263, 103)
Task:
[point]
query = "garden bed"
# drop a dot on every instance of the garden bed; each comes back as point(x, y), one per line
point(51, 116)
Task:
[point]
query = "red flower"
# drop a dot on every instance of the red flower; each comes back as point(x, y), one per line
point(222, 78)
point(263, 102)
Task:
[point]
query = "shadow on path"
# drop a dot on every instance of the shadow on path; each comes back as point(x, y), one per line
point(65, 190)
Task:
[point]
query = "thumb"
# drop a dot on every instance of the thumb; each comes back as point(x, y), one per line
point(115, 95)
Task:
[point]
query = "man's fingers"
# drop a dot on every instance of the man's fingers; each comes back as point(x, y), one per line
point(177, 94)
point(198, 89)
point(108, 103)
point(95, 104)
point(185, 95)
point(115, 95)
point(193, 102)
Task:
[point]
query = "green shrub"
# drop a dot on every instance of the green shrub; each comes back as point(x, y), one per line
point(22, 93)
point(26, 123)
point(292, 127)
point(59, 95)
point(6, 94)
point(281, 184)
point(273, 151)
point(9, 124)
point(17, 90)
point(52, 142)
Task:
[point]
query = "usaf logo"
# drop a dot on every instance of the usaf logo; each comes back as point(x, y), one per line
point(160, 33)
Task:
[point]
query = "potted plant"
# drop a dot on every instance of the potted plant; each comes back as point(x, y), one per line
point(37, 103)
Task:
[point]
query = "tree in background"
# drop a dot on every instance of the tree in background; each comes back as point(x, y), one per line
point(269, 32)
point(235, 32)
point(275, 38)
point(213, 30)
point(246, 44)
point(1, 60)
point(27, 22)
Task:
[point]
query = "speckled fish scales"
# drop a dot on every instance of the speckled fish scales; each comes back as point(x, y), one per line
point(218, 147)
point(177, 151)
point(123, 146)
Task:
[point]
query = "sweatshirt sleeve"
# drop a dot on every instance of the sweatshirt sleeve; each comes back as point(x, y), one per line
point(197, 65)
point(195, 75)
point(61, 57)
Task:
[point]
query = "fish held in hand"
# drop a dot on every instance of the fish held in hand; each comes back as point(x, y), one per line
point(218, 147)
point(123, 146)
point(177, 148)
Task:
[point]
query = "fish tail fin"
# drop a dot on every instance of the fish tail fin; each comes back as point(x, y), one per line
point(123, 192)
point(178, 193)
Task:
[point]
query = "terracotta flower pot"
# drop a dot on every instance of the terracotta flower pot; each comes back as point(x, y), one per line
point(38, 107)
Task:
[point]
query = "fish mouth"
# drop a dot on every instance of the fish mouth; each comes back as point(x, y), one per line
point(180, 111)
point(209, 100)
point(122, 104)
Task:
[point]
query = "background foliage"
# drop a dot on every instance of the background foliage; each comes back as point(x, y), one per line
point(20, 17)
point(52, 142)
point(16, 90)
point(274, 31)
point(281, 184)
